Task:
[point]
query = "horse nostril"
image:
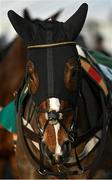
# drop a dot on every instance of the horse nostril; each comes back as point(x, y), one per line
point(57, 159)
point(66, 147)
point(46, 151)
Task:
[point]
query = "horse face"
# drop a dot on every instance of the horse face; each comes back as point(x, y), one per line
point(54, 79)
point(53, 123)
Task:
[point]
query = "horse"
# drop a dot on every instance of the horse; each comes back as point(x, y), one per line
point(61, 108)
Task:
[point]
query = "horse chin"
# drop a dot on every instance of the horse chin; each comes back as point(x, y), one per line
point(59, 160)
point(54, 160)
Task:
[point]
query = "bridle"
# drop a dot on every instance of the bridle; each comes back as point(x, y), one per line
point(53, 115)
point(53, 118)
point(72, 43)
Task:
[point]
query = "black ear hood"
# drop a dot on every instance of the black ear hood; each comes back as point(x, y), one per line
point(22, 26)
point(27, 15)
point(50, 62)
point(55, 16)
point(75, 23)
point(72, 26)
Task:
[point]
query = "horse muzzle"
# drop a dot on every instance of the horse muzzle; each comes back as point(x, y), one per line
point(57, 158)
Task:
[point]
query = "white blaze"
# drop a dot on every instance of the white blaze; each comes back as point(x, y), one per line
point(55, 105)
point(58, 150)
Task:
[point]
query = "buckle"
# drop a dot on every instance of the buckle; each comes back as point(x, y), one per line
point(42, 172)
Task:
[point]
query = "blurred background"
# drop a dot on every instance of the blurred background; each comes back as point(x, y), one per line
point(97, 30)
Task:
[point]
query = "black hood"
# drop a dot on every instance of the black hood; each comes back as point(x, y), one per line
point(50, 62)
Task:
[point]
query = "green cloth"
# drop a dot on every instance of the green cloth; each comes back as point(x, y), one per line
point(8, 117)
point(105, 64)
point(102, 59)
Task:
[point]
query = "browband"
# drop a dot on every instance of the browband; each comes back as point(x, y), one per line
point(52, 45)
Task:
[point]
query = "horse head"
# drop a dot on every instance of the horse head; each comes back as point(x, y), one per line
point(53, 69)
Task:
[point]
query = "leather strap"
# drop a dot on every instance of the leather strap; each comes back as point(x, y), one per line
point(51, 45)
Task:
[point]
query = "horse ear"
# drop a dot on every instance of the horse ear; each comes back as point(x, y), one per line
point(75, 23)
point(22, 26)
point(26, 15)
point(56, 15)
